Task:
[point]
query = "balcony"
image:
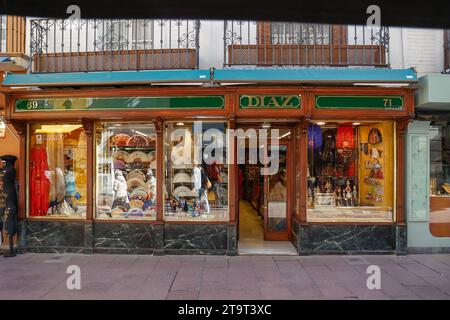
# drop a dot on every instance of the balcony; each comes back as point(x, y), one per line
point(113, 45)
point(268, 44)
point(12, 44)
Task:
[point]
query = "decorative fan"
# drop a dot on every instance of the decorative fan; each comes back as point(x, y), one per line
point(120, 140)
point(134, 183)
point(138, 156)
point(152, 156)
point(137, 141)
point(181, 177)
point(182, 191)
point(136, 174)
point(121, 155)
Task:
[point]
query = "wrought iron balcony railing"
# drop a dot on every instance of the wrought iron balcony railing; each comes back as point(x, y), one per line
point(58, 45)
point(12, 34)
point(298, 44)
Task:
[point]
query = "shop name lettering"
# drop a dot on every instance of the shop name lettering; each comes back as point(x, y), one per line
point(270, 101)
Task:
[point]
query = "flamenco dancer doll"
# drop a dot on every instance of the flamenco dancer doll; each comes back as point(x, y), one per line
point(8, 201)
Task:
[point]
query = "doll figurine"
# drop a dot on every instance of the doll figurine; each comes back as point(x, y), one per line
point(355, 196)
point(348, 194)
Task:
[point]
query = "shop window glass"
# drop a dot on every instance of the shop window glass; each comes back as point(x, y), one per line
point(440, 179)
point(350, 171)
point(57, 173)
point(196, 171)
point(126, 171)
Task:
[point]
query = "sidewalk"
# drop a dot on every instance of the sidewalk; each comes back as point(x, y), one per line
point(43, 276)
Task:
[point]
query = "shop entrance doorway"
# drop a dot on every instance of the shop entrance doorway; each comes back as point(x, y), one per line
point(265, 192)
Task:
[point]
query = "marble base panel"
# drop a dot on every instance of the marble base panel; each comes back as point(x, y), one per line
point(196, 239)
point(131, 238)
point(232, 240)
point(401, 243)
point(54, 236)
point(349, 239)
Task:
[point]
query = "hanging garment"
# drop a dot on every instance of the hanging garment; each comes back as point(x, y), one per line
point(345, 137)
point(70, 184)
point(80, 168)
point(55, 159)
point(39, 183)
point(60, 185)
point(315, 137)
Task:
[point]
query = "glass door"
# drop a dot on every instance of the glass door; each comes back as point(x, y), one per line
point(276, 194)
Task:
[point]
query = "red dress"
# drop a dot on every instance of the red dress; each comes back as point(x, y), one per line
point(39, 183)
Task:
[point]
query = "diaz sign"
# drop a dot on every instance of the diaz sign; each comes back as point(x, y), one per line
point(270, 102)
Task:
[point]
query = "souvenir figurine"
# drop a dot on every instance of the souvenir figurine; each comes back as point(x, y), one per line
point(355, 196)
point(348, 194)
point(328, 186)
point(338, 197)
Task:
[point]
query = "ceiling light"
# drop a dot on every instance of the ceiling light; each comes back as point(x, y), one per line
point(180, 124)
point(356, 123)
point(321, 123)
point(265, 125)
point(285, 135)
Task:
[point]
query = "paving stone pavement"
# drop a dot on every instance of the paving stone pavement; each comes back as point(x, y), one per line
point(44, 276)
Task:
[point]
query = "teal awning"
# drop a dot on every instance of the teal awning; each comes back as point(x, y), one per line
point(252, 76)
point(106, 78)
point(316, 75)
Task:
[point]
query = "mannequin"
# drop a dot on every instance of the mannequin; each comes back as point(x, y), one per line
point(8, 201)
point(120, 186)
point(197, 181)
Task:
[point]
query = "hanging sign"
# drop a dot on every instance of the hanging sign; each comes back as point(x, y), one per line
point(359, 102)
point(270, 102)
point(184, 102)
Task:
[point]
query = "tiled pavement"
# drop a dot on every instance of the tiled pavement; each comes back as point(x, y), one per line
point(43, 276)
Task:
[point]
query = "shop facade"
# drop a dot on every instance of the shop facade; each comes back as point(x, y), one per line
point(114, 170)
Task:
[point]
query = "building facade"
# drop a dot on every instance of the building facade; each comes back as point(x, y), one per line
point(111, 113)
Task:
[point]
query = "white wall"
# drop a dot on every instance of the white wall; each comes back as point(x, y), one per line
point(422, 49)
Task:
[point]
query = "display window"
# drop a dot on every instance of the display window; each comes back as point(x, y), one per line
point(58, 171)
point(196, 171)
point(350, 171)
point(440, 179)
point(126, 171)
